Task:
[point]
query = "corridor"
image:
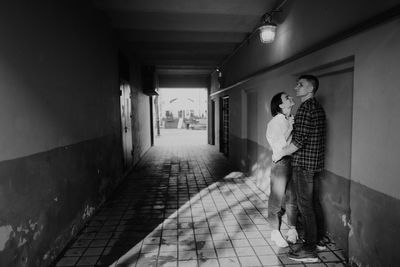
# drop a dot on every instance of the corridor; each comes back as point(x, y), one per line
point(183, 206)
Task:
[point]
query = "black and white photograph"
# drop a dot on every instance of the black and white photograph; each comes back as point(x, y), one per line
point(199, 133)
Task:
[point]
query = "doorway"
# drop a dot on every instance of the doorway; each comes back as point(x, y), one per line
point(224, 128)
point(126, 124)
point(181, 117)
point(212, 117)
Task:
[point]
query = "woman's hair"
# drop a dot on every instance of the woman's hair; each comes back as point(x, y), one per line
point(275, 102)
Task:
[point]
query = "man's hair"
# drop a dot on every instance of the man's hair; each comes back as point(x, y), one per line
point(275, 102)
point(311, 79)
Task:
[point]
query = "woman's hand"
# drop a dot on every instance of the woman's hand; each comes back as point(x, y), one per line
point(291, 119)
point(276, 156)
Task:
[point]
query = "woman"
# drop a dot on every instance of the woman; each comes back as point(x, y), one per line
point(278, 134)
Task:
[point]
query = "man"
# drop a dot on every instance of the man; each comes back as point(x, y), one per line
point(308, 149)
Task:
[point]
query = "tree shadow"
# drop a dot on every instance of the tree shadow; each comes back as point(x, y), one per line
point(177, 206)
point(207, 224)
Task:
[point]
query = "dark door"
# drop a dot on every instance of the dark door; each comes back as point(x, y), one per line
point(212, 117)
point(224, 144)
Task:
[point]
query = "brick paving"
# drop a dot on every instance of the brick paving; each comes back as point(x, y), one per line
point(184, 206)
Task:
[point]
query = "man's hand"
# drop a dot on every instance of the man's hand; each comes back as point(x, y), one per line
point(287, 150)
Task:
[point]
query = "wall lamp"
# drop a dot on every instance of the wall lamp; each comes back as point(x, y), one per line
point(267, 29)
point(219, 72)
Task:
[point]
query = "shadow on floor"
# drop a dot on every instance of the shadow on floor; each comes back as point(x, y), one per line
point(183, 207)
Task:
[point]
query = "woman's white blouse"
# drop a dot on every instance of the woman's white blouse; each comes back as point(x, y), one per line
point(279, 132)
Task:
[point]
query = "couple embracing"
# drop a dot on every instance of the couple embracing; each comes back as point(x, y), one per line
point(298, 151)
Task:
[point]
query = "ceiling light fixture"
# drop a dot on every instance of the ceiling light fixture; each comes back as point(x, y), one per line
point(267, 29)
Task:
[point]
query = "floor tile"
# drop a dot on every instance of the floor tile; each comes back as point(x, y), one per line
point(206, 254)
point(87, 260)
point(144, 262)
point(99, 243)
point(245, 251)
point(209, 263)
point(179, 207)
point(67, 261)
point(169, 247)
point(340, 254)
point(262, 251)
point(82, 243)
point(269, 260)
point(257, 242)
point(249, 261)
point(167, 263)
point(229, 262)
point(187, 255)
point(252, 234)
point(336, 264)
point(220, 236)
point(152, 241)
point(328, 256)
point(74, 252)
point(237, 243)
point(223, 243)
point(150, 248)
point(225, 252)
point(318, 264)
point(93, 251)
point(168, 254)
point(285, 260)
point(188, 263)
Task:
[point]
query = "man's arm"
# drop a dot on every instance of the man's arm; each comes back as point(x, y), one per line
point(302, 126)
point(287, 150)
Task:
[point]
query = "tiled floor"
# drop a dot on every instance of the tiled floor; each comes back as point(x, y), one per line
point(184, 206)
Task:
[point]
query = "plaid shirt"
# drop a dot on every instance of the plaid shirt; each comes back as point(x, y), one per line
point(309, 136)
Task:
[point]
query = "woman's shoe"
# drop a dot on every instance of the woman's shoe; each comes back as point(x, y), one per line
point(321, 245)
point(277, 237)
point(292, 236)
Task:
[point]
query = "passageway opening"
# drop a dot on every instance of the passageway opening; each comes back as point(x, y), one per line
point(180, 117)
point(126, 123)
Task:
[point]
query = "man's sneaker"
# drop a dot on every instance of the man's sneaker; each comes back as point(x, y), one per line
point(303, 256)
point(277, 237)
point(321, 246)
point(292, 235)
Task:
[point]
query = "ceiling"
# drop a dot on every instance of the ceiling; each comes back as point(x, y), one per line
point(191, 38)
point(183, 36)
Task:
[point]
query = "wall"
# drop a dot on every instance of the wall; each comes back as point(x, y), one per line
point(141, 124)
point(60, 137)
point(361, 199)
point(302, 25)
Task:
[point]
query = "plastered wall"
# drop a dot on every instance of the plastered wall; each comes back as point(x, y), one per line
point(60, 129)
point(50, 68)
point(371, 183)
point(376, 81)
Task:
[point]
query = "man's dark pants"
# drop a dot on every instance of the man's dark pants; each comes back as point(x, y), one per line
point(307, 187)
